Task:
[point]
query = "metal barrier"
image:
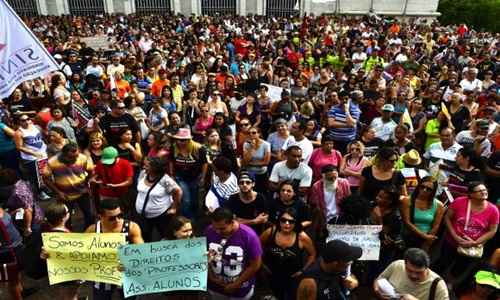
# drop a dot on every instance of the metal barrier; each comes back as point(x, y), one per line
point(283, 8)
point(26, 8)
point(152, 7)
point(218, 7)
point(86, 7)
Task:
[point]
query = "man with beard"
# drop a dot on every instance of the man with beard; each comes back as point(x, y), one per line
point(67, 175)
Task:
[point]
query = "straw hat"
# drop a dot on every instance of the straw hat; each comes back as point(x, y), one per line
point(412, 158)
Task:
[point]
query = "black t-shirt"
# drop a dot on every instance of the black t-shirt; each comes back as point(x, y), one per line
point(276, 207)
point(372, 185)
point(247, 211)
point(188, 168)
point(459, 118)
point(112, 126)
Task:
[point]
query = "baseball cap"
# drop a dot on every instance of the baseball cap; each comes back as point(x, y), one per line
point(488, 278)
point(109, 155)
point(247, 176)
point(337, 250)
point(388, 107)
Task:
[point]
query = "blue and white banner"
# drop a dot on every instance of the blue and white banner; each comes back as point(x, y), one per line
point(22, 56)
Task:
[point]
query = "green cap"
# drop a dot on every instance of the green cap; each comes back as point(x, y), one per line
point(488, 278)
point(109, 155)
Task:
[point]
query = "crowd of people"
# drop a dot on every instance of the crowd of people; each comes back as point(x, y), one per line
point(261, 134)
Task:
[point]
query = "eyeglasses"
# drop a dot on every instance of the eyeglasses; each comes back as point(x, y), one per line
point(114, 218)
point(481, 191)
point(245, 182)
point(287, 221)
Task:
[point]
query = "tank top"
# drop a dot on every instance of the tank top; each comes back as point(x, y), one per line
point(32, 139)
point(423, 219)
point(125, 230)
point(354, 167)
point(283, 261)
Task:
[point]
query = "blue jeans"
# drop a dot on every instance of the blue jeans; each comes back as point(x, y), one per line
point(190, 190)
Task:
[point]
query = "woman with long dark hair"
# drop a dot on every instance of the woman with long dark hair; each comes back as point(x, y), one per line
point(422, 215)
point(285, 245)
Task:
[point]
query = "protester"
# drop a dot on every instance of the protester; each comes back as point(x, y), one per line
point(329, 276)
point(229, 278)
point(111, 221)
point(158, 197)
point(411, 278)
point(285, 245)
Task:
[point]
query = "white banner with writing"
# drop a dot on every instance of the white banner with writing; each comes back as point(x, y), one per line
point(364, 236)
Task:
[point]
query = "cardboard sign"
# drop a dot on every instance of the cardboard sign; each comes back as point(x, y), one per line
point(176, 265)
point(83, 256)
point(364, 236)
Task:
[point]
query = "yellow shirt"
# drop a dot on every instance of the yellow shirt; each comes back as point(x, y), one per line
point(70, 179)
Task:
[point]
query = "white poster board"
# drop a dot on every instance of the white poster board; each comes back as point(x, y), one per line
point(97, 42)
point(364, 236)
point(274, 92)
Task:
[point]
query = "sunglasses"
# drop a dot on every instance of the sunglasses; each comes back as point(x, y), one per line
point(244, 124)
point(120, 107)
point(355, 149)
point(115, 218)
point(245, 182)
point(253, 132)
point(287, 221)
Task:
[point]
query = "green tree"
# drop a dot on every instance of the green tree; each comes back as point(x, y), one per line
point(477, 14)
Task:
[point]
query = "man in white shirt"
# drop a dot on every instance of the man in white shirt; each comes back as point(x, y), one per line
point(115, 66)
point(291, 169)
point(145, 43)
point(384, 126)
point(470, 82)
point(298, 138)
point(477, 137)
point(358, 58)
point(94, 68)
point(446, 149)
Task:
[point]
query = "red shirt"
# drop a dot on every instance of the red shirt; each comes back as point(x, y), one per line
point(116, 173)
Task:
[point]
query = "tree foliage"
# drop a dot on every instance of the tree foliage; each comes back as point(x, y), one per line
point(477, 14)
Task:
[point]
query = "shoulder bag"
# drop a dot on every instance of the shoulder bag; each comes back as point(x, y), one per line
point(474, 251)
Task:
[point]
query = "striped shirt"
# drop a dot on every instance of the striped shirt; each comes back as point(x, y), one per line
point(70, 179)
point(345, 134)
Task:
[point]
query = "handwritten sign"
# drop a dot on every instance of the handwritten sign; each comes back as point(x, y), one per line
point(83, 256)
point(164, 266)
point(274, 92)
point(364, 236)
point(97, 42)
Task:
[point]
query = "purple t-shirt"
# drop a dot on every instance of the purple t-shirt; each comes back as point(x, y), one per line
point(233, 256)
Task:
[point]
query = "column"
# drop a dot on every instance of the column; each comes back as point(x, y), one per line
point(196, 7)
point(305, 8)
point(260, 7)
point(176, 6)
point(241, 7)
point(108, 6)
point(42, 7)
